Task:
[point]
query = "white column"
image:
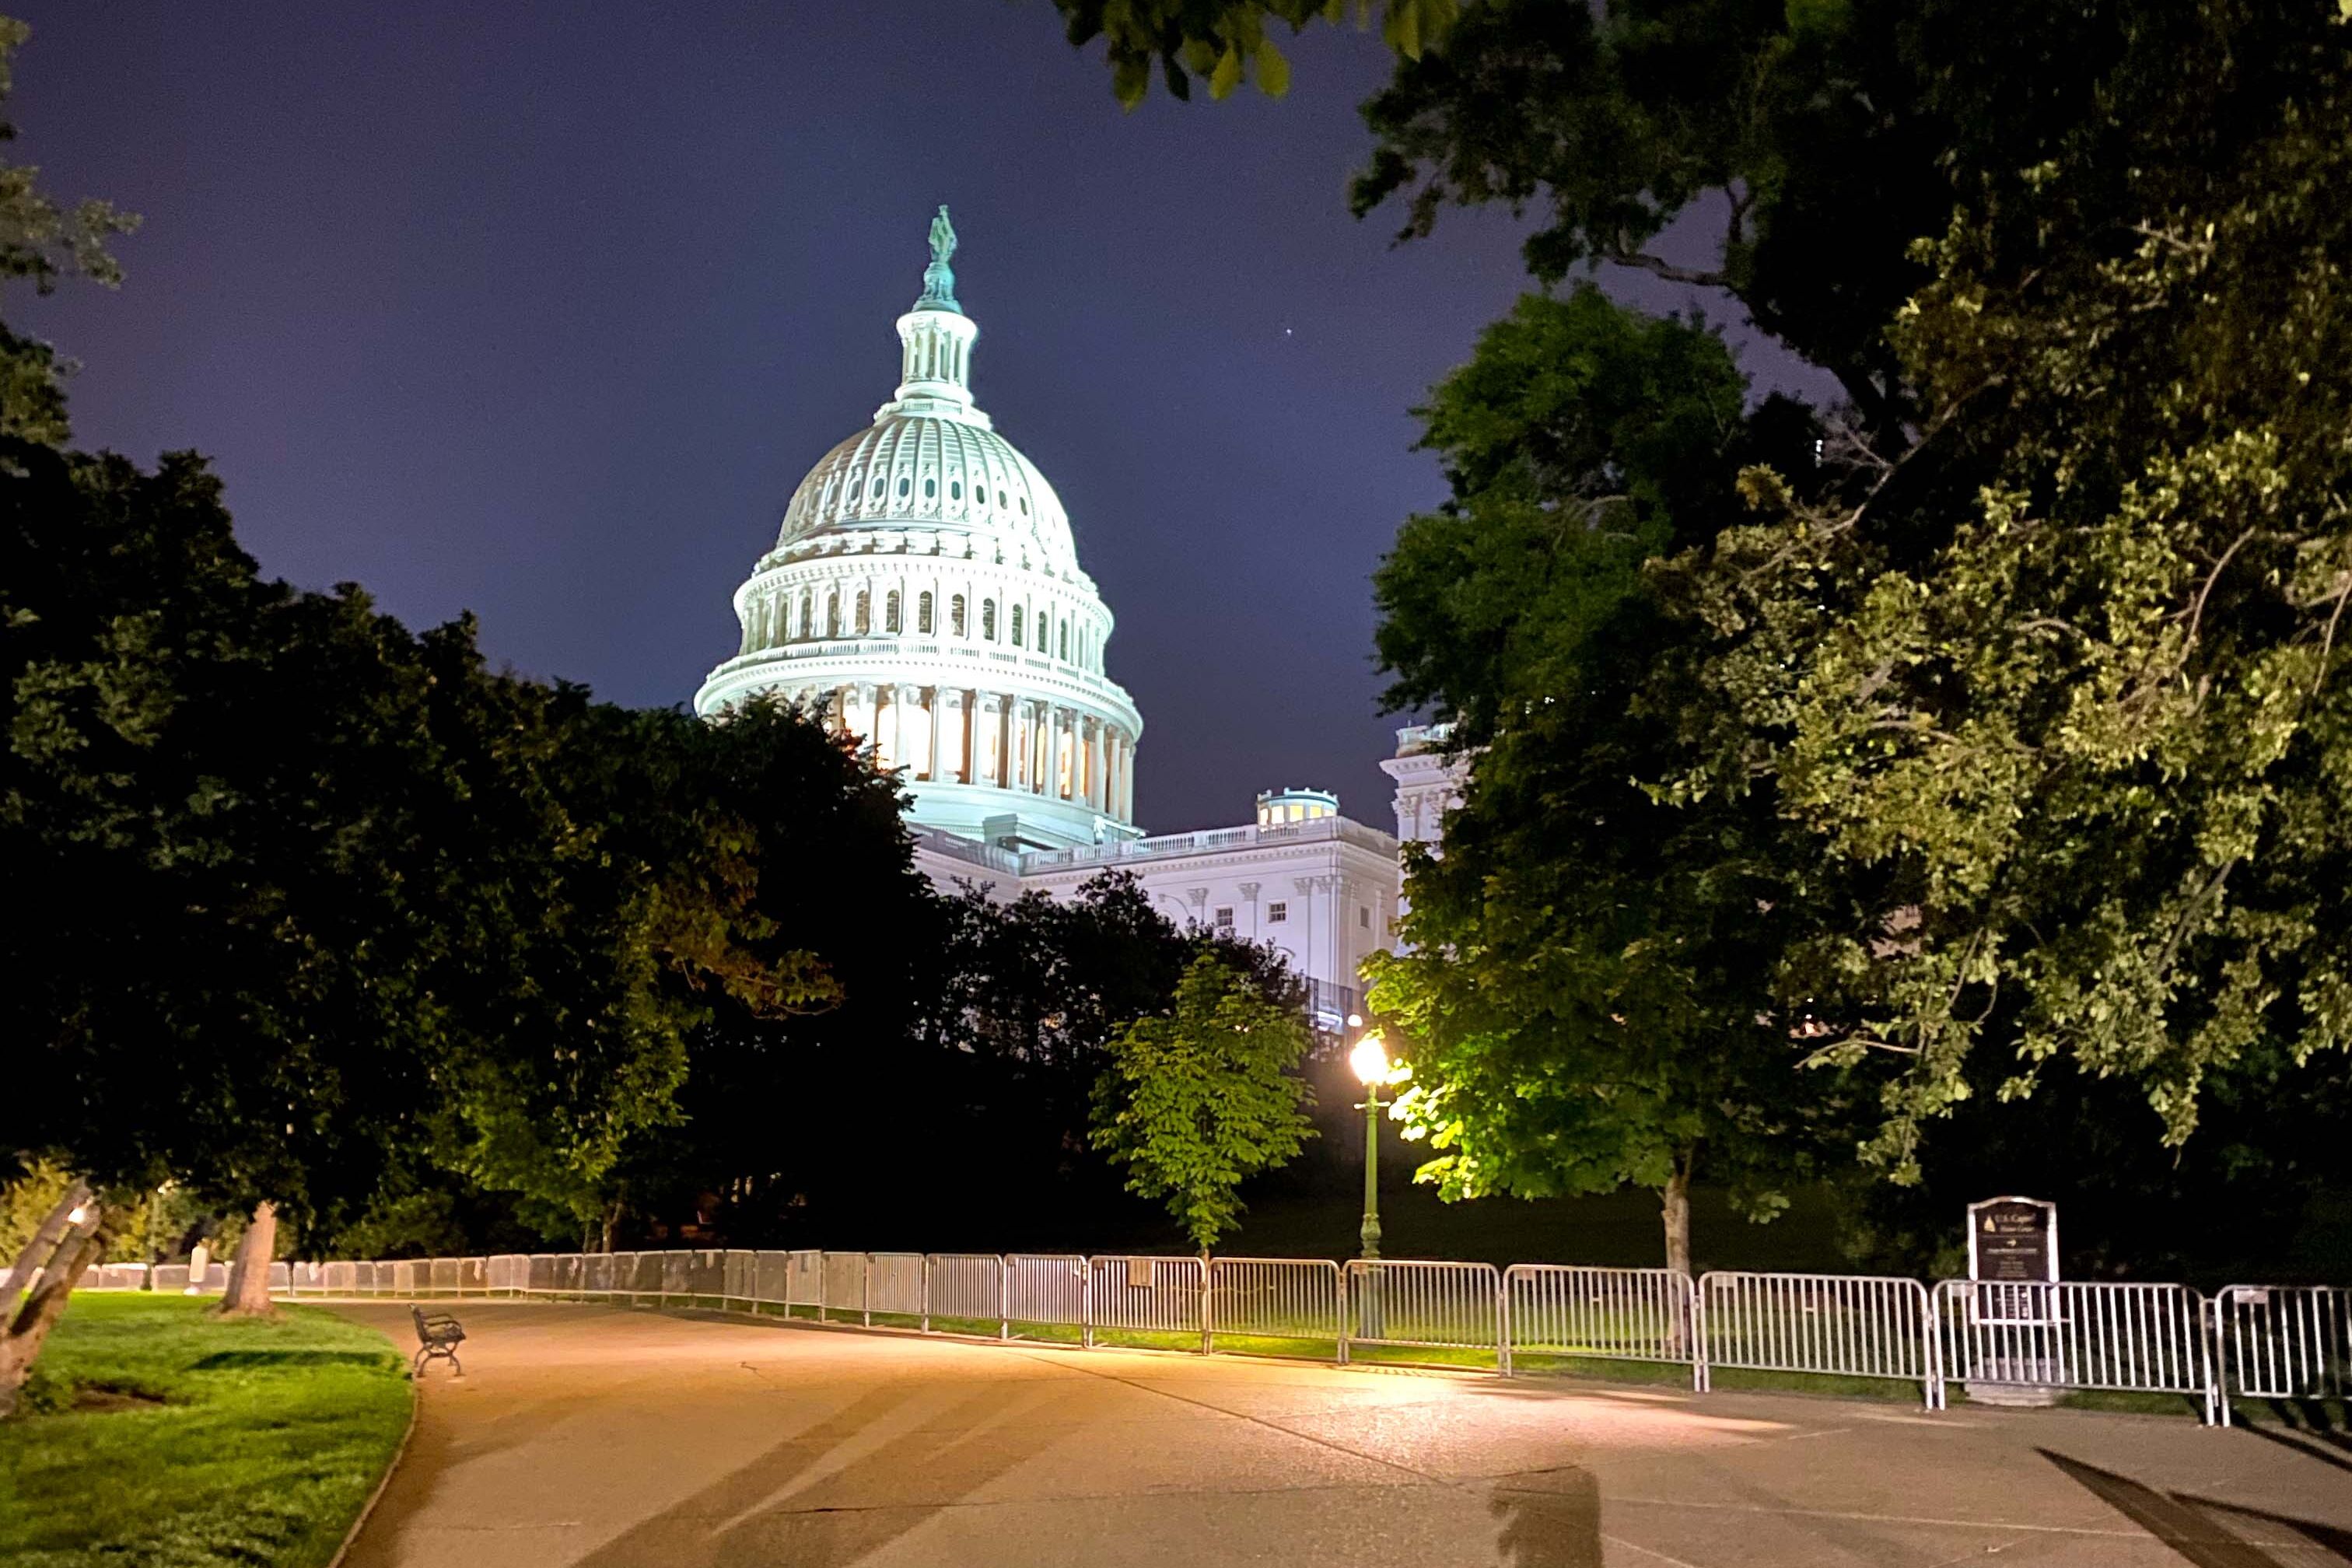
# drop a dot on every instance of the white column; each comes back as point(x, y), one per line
point(939, 729)
point(1097, 795)
point(988, 741)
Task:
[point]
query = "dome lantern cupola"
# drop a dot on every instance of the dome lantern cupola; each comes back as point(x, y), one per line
point(925, 591)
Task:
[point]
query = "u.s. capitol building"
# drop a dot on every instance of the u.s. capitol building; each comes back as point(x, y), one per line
point(925, 588)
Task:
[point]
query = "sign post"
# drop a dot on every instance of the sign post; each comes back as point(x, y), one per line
point(2013, 1271)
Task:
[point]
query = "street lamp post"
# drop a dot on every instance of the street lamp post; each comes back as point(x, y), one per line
point(1370, 1061)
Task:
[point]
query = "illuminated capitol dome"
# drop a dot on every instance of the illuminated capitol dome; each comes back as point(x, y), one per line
point(925, 586)
point(924, 590)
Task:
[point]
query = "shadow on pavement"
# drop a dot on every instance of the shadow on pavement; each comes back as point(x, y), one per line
point(2189, 1525)
point(796, 1504)
point(1549, 1519)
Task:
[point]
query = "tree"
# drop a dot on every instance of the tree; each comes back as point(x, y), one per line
point(2037, 662)
point(2082, 714)
point(1587, 1000)
point(1221, 42)
point(1194, 1103)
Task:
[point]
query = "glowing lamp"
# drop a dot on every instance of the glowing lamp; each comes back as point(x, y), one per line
point(1370, 1060)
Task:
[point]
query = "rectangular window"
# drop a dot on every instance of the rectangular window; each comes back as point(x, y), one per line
point(1364, 916)
point(1224, 917)
point(1277, 912)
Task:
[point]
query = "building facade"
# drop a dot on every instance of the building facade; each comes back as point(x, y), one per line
point(925, 591)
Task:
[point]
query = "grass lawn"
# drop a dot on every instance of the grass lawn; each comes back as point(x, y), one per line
point(167, 1438)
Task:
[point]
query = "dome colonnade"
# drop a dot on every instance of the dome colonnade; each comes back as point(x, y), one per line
point(925, 588)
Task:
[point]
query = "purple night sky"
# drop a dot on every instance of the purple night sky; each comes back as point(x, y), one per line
point(542, 311)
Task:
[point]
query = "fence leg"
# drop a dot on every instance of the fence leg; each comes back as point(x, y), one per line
point(1004, 1302)
point(1085, 1305)
point(1694, 1316)
point(865, 1288)
point(1503, 1329)
point(926, 1295)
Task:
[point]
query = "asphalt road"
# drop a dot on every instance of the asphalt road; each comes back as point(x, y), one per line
point(593, 1437)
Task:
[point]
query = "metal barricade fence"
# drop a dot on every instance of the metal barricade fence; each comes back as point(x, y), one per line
point(742, 1276)
point(1411, 1302)
point(2147, 1339)
point(894, 1284)
point(844, 1284)
point(1847, 1325)
point(114, 1277)
point(1615, 1314)
point(2282, 1341)
point(1046, 1287)
point(965, 1286)
point(1276, 1299)
point(804, 1279)
point(1145, 1295)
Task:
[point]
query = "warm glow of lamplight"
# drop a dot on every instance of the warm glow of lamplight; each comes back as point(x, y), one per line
point(77, 1216)
point(1370, 1060)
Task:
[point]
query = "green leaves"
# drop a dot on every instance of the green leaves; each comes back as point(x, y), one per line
point(1222, 41)
point(1195, 1102)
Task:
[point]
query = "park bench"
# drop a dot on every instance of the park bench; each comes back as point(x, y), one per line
point(438, 1335)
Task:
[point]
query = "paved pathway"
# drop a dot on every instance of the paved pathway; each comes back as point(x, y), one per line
point(592, 1437)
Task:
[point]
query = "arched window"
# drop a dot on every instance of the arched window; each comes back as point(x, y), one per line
point(955, 616)
point(1066, 639)
point(988, 620)
point(833, 613)
point(955, 490)
point(930, 488)
point(1016, 625)
point(923, 613)
point(808, 613)
point(905, 484)
point(865, 612)
point(890, 612)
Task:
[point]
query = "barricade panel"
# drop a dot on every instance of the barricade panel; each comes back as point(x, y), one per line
point(1046, 1287)
point(894, 1283)
point(1615, 1314)
point(1844, 1324)
point(2286, 1342)
point(805, 1278)
point(845, 1282)
point(965, 1285)
point(2147, 1339)
point(1276, 1298)
point(1135, 1294)
point(1414, 1302)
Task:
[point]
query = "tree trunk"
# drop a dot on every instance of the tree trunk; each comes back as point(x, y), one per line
point(45, 1242)
point(249, 1277)
point(1676, 1201)
point(28, 1327)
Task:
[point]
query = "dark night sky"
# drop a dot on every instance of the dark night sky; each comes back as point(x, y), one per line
point(542, 310)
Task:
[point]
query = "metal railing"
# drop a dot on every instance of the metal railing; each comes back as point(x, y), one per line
point(1616, 1314)
point(2147, 1339)
point(1435, 1306)
point(2282, 1342)
point(965, 1287)
point(1044, 1289)
point(1845, 1325)
point(1277, 1298)
point(1143, 1294)
point(2256, 1341)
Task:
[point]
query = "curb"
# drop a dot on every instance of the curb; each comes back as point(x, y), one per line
point(383, 1481)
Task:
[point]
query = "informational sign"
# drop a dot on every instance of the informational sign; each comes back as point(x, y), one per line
point(2013, 1241)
